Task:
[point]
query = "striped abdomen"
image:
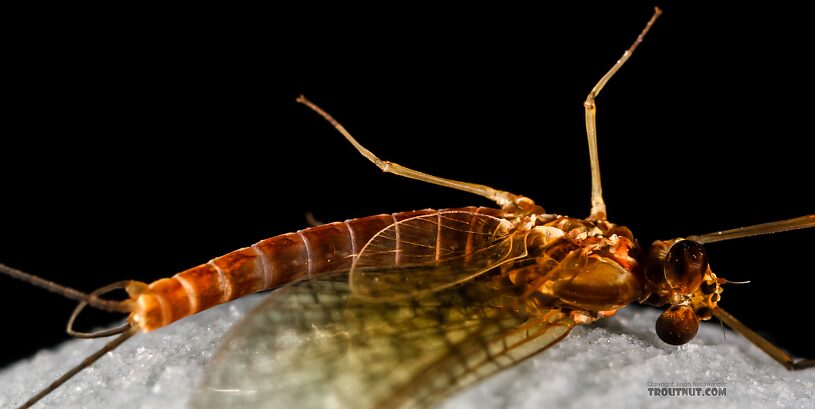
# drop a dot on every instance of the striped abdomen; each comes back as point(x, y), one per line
point(267, 264)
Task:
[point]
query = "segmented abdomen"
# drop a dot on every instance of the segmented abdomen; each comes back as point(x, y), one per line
point(267, 264)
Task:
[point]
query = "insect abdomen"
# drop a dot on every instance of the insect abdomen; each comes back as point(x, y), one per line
point(268, 264)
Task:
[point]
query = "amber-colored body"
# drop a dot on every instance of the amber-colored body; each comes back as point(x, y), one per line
point(585, 265)
point(268, 264)
point(401, 310)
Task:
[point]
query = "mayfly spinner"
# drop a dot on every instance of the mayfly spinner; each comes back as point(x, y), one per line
point(402, 310)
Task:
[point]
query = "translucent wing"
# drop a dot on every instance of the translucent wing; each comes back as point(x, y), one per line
point(426, 253)
point(314, 345)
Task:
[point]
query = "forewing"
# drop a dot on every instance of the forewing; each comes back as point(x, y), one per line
point(314, 345)
point(427, 253)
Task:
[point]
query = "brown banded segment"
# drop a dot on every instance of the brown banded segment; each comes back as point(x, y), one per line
point(241, 270)
point(173, 297)
point(264, 270)
point(223, 282)
point(307, 245)
point(365, 228)
point(286, 256)
point(397, 251)
point(204, 285)
point(331, 247)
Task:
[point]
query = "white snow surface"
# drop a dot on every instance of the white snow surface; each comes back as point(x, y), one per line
point(611, 364)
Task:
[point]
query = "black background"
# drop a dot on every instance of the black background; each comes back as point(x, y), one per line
point(141, 143)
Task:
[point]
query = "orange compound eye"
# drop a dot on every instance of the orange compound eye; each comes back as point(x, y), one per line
point(677, 325)
point(685, 266)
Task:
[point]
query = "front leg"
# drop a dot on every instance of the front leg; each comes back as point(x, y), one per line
point(775, 352)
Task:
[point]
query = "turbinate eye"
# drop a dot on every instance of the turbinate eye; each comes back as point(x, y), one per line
point(685, 266)
point(677, 325)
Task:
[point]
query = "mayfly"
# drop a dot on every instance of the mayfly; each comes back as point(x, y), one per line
point(402, 310)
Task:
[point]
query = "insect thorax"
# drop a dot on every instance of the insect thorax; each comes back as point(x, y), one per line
point(584, 264)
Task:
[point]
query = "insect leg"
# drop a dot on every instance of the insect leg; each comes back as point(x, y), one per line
point(598, 206)
point(773, 351)
point(803, 222)
point(503, 198)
